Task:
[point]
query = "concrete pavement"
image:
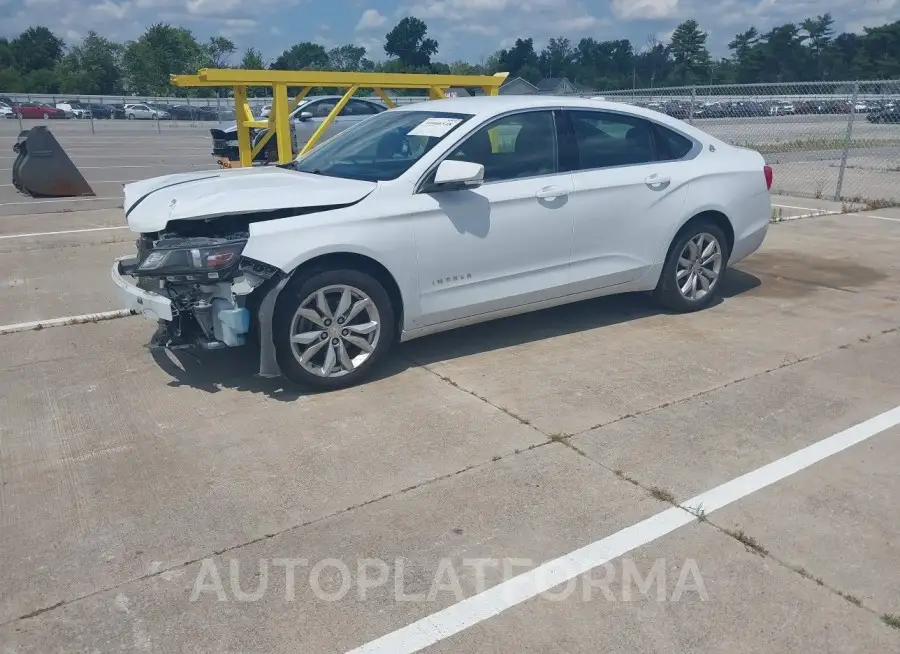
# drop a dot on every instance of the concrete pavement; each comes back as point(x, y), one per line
point(129, 482)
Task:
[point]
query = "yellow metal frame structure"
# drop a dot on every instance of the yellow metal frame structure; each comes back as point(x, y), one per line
point(278, 123)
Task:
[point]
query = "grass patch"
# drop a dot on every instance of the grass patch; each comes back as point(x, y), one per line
point(662, 495)
point(891, 620)
point(813, 144)
point(853, 599)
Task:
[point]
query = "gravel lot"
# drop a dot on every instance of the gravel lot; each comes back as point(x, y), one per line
point(162, 504)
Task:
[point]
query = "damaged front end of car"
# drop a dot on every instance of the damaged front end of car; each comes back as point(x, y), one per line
point(196, 283)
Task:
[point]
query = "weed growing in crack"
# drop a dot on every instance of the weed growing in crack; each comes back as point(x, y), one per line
point(747, 541)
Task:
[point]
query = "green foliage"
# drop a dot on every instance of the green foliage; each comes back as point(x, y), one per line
point(302, 56)
point(408, 43)
point(252, 60)
point(162, 50)
point(36, 48)
point(92, 67)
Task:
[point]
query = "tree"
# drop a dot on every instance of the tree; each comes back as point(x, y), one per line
point(94, 66)
point(161, 51)
point(252, 60)
point(350, 58)
point(302, 56)
point(521, 60)
point(36, 48)
point(557, 58)
point(408, 43)
point(689, 53)
point(6, 54)
point(217, 50)
point(465, 68)
point(819, 31)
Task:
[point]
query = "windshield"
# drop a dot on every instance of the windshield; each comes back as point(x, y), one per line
point(382, 147)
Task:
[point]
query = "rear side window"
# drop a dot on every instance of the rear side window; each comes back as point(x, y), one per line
point(607, 139)
point(672, 145)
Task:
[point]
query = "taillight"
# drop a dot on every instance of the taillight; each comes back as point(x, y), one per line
point(767, 170)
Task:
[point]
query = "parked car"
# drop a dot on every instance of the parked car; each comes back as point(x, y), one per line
point(890, 114)
point(101, 111)
point(6, 111)
point(436, 215)
point(145, 111)
point(305, 120)
point(37, 110)
point(76, 109)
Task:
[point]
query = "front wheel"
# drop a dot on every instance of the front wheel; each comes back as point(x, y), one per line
point(694, 269)
point(46, 116)
point(331, 329)
point(130, 116)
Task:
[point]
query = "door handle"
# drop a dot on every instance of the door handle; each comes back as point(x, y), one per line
point(657, 181)
point(551, 193)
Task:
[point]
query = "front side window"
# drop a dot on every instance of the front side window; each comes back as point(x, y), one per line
point(513, 147)
point(382, 147)
point(608, 139)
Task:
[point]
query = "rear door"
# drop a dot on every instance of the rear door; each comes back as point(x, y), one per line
point(629, 191)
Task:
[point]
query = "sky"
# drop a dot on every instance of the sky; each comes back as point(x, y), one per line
point(465, 29)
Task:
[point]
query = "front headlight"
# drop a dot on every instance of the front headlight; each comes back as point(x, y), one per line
point(203, 258)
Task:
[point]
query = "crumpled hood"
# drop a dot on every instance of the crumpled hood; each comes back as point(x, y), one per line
point(150, 204)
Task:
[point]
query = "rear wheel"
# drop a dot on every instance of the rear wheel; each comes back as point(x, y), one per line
point(331, 329)
point(694, 269)
point(46, 116)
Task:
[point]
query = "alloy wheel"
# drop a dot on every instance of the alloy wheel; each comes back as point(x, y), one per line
point(699, 267)
point(335, 330)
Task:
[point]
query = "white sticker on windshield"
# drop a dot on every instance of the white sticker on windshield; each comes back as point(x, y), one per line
point(435, 127)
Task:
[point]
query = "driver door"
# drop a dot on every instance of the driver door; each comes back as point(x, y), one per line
point(506, 243)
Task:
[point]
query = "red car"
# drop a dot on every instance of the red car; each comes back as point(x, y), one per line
point(37, 110)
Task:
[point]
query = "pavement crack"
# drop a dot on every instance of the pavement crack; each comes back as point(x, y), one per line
point(253, 541)
point(521, 419)
point(787, 363)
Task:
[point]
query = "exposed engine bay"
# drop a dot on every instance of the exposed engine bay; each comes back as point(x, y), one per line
point(198, 266)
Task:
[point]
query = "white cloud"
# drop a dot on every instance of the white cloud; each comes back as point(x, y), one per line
point(371, 19)
point(645, 9)
point(211, 7)
point(577, 23)
point(374, 47)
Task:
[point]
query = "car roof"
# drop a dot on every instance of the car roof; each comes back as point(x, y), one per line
point(489, 105)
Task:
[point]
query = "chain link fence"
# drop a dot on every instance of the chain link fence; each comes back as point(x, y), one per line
point(836, 141)
point(829, 140)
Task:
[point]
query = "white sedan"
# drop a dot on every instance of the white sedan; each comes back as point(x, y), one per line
point(437, 215)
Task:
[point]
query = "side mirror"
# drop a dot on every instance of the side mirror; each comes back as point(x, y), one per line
point(305, 115)
point(453, 175)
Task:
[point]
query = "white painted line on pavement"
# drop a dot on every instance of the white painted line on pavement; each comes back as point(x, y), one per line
point(458, 617)
point(867, 215)
point(11, 204)
point(159, 165)
point(790, 206)
point(782, 219)
point(68, 320)
point(67, 231)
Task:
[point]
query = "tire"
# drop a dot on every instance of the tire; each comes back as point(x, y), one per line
point(46, 116)
point(668, 291)
point(302, 293)
point(130, 116)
